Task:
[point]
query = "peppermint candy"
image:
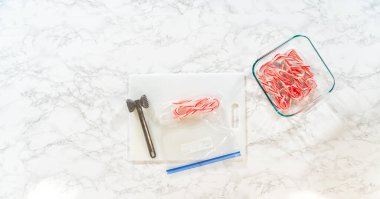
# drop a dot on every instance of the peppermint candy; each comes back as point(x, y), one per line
point(286, 78)
point(186, 108)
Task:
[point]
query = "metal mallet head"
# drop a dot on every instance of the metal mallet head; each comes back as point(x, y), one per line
point(143, 101)
point(137, 104)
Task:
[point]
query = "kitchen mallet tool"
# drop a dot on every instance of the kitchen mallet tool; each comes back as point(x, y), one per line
point(137, 104)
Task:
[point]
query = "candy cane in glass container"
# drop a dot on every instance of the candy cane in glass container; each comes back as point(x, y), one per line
point(287, 79)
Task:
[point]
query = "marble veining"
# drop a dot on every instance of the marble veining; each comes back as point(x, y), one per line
point(64, 67)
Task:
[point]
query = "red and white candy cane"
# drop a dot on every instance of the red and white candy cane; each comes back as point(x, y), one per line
point(286, 78)
point(186, 108)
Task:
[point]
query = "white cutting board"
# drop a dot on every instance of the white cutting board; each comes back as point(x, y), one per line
point(161, 89)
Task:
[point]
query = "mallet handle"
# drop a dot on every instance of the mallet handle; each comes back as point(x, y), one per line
point(144, 126)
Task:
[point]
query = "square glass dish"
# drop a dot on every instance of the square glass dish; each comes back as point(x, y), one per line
point(293, 76)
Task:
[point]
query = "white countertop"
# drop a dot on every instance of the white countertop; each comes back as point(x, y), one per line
point(64, 69)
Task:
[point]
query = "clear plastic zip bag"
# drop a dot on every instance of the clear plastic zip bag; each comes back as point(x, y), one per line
point(196, 131)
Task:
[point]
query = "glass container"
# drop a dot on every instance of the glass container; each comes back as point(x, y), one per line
point(322, 75)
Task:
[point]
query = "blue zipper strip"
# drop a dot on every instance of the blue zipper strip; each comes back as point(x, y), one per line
point(203, 162)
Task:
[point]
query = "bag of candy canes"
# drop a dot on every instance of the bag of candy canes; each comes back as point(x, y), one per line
point(196, 128)
point(180, 110)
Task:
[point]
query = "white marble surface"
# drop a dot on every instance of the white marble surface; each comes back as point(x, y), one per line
point(63, 81)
